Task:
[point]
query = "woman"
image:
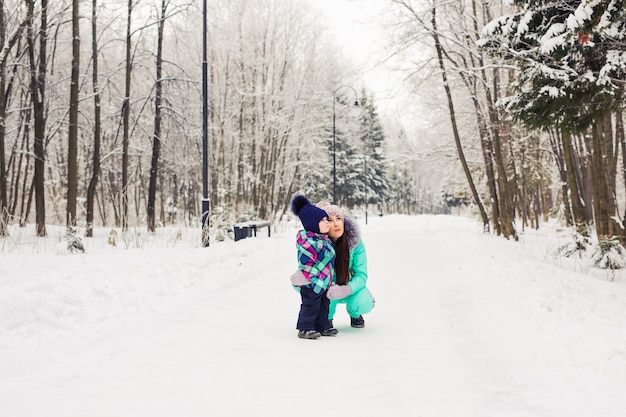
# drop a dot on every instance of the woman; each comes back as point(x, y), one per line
point(349, 287)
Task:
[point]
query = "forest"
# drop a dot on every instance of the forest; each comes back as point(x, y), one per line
point(512, 110)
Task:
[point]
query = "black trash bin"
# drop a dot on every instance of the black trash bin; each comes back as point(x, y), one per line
point(241, 231)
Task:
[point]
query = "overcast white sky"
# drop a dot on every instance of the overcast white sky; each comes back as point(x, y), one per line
point(356, 24)
point(358, 27)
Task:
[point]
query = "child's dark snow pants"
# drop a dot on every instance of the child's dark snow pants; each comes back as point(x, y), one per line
point(313, 310)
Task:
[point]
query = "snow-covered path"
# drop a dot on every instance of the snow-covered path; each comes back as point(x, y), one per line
point(465, 324)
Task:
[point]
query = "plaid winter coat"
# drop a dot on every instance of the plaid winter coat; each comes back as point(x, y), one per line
point(316, 259)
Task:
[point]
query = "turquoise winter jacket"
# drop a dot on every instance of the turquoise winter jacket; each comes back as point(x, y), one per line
point(358, 267)
point(358, 256)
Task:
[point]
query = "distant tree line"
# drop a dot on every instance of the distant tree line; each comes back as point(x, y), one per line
point(100, 113)
point(100, 118)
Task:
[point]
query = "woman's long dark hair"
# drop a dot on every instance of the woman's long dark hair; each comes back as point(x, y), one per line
point(342, 260)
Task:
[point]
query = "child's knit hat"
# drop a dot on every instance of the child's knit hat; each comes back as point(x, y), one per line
point(309, 215)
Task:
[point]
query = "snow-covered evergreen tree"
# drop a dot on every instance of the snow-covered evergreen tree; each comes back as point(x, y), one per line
point(372, 137)
point(74, 240)
point(571, 56)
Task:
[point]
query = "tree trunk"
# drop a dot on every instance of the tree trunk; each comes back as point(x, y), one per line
point(114, 194)
point(603, 184)
point(507, 211)
point(557, 151)
point(93, 182)
point(72, 147)
point(583, 165)
point(4, 96)
point(126, 121)
point(523, 192)
point(156, 137)
point(4, 213)
point(38, 89)
point(619, 137)
point(15, 166)
point(239, 197)
point(578, 209)
point(26, 153)
point(485, 138)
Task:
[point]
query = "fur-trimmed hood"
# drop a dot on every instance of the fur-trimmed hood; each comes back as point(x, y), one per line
point(352, 232)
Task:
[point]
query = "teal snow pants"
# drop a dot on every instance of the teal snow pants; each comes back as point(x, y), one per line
point(357, 304)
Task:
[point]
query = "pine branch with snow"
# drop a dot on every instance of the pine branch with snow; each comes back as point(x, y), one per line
point(577, 246)
point(609, 254)
point(74, 241)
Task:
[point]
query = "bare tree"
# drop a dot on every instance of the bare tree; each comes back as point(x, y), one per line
point(455, 130)
point(38, 88)
point(72, 159)
point(4, 213)
point(5, 91)
point(432, 30)
point(93, 182)
point(126, 118)
point(156, 137)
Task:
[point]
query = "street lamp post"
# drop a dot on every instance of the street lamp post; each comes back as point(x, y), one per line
point(356, 104)
point(206, 202)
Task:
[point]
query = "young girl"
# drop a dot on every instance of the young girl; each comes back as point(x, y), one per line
point(316, 260)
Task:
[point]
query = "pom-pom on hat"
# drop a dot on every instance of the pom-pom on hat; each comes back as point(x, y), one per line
point(331, 209)
point(309, 215)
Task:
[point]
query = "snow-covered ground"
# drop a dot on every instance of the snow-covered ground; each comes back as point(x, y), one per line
point(465, 324)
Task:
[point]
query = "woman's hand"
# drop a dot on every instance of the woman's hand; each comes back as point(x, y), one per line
point(337, 292)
